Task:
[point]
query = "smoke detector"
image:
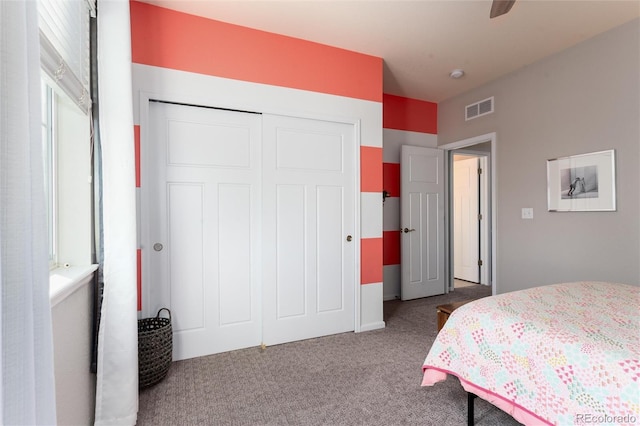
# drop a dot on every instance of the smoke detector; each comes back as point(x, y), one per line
point(457, 73)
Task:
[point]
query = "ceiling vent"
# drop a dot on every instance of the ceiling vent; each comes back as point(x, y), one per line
point(478, 109)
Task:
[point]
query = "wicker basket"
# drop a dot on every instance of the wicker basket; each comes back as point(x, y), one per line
point(155, 347)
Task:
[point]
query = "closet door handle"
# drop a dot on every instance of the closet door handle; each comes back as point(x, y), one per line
point(407, 230)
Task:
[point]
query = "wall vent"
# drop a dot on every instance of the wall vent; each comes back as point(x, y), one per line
point(479, 109)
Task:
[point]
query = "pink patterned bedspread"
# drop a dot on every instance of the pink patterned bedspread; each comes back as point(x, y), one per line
point(560, 354)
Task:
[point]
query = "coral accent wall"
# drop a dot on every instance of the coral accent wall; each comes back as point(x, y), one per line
point(170, 39)
point(139, 277)
point(391, 178)
point(370, 169)
point(412, 122)
point(409, 114)
point(391, 248)
point(371, 252)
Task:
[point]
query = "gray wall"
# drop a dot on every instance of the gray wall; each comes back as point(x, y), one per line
point(581, 100)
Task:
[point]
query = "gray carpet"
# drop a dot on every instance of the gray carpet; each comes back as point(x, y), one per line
point(370, 378)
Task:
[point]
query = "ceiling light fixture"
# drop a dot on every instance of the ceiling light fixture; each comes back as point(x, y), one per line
point(458, 73)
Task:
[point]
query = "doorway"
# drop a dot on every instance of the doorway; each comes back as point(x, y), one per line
point(482, 147)
point(469, 217)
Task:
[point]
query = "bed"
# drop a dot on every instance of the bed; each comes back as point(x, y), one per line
point(559, 354)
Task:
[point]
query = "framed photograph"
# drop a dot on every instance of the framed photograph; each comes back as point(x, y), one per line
point(582, 183)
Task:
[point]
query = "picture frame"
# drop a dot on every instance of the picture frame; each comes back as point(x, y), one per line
point(580, 183)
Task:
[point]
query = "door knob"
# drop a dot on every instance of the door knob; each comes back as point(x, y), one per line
point(349, 238)
point(407, 230)
point(158, 247)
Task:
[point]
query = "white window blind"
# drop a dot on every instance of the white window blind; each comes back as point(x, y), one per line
point(64, 46)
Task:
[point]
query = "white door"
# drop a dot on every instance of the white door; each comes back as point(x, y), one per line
point(308, 228)
point(466, 218)
point(422, 220)
point(204, 171)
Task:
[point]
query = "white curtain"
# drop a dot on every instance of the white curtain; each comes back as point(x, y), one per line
point(117, 375)
point(27, 389)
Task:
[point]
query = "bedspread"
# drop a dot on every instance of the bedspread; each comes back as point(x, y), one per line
point(563, 353)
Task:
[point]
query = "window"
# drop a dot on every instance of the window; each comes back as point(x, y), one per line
point(66, 129)
point(66, 154)
point(49, 160)
point(49, 157)
point(64, 46)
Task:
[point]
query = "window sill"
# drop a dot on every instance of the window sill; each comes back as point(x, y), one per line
point(64, 281)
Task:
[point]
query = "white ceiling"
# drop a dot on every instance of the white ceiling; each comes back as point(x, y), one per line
point(422, 41)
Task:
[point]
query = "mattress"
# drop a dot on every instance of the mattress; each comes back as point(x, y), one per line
point(558, 354)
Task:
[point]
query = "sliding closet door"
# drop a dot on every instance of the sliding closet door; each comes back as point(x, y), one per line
point(203, 177)
point(251, 227)
point(308, 228)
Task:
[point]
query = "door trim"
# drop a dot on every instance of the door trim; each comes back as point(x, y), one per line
point(262, 107)
point(488, 137)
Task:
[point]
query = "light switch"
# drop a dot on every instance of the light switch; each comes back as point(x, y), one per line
point(527, 213)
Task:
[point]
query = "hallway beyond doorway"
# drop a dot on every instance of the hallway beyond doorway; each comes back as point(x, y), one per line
point(462, 283)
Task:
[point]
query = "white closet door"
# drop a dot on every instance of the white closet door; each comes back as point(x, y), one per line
point(308, 228)
point(203, 250)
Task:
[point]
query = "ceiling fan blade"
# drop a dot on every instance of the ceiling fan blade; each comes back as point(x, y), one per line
point(500, 7)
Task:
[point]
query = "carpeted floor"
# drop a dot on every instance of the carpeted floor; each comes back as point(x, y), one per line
point(462, 283)
point(370, 378)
